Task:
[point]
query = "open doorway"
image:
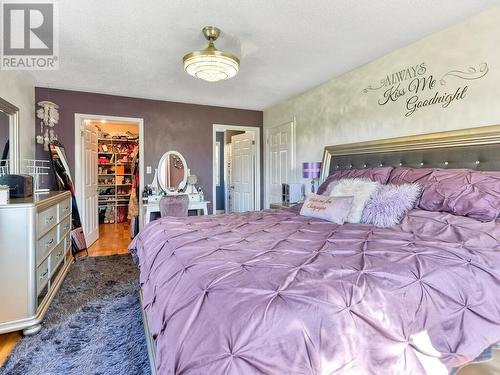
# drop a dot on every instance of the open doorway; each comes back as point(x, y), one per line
point(109, 176)
point(236, 166)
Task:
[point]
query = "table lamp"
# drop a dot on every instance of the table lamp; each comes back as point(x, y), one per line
point(312, 171)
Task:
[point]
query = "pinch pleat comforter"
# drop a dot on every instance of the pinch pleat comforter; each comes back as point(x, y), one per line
point(273, 292)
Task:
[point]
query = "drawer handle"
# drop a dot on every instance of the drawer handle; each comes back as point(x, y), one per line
point(49, 219)
point(49, 244)
point(66, 208)
point(65, 228)
point(44, 274)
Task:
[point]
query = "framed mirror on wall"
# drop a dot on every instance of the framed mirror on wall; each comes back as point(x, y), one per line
point(9, 138)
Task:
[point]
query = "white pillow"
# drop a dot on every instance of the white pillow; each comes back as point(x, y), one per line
point(361, 189)
point(334, 209)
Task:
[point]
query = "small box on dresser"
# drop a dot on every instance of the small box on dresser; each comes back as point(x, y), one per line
point(35, 254)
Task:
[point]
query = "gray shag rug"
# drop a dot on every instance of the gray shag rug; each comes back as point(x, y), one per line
point(93, 326)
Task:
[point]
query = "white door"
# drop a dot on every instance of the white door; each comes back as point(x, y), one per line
point(90, 196)
point(243, 172)
point(280, 158)
point(227, 179)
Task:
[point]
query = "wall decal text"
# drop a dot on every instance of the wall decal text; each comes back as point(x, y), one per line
point(419, 89)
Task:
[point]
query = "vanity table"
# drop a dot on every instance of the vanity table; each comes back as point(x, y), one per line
point(172, 176)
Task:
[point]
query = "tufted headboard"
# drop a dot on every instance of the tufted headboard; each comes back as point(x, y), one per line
point(476, 148)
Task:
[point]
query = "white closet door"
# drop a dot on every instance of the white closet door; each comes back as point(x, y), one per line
point(90, 195)
point(243, 172)
point(280, 157)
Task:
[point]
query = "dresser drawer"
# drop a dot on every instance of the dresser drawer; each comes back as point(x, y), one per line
point(46, 219)
point(64, 227)
point(46, 244)
point(56, 257)
point(42, 275)
point(64, 208)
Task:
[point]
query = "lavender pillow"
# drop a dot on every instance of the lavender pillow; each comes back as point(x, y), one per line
point(334, 209)
point(404, 175)
point(390, 204)
point(463, 192)
point(374, 174)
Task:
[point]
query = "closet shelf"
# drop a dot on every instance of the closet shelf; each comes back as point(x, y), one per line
point(115, 174)
point(117, 140)
point(113, 185)
point(116, 159)
point(113, 164)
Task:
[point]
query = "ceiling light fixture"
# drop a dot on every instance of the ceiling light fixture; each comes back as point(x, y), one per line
point(211, 64)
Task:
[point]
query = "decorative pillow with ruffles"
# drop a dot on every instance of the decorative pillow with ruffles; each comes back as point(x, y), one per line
point(463, 192)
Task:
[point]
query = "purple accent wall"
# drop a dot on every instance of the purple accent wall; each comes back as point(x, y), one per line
point(182, 127)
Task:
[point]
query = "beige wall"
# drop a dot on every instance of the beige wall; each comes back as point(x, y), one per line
point(18, 89)
point(338, 111)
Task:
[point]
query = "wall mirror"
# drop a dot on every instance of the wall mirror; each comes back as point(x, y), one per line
point(9, 138)
point(172, 172)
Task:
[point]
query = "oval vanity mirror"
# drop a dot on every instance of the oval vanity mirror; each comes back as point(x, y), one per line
point(172, 172)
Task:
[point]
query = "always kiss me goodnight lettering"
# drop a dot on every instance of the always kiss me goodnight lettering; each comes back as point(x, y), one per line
point(419, 89)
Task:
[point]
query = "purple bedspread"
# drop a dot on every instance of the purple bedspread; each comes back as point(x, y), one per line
point(272, 292)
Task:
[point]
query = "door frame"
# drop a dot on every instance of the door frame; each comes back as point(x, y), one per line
point(258, 171)
point(79, 118)
point(267, 162)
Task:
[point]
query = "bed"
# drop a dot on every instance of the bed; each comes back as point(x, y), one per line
point(273, 292)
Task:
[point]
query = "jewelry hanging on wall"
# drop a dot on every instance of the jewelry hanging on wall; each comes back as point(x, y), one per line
point(49, 116)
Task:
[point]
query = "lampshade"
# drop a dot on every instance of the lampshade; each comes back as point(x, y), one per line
point(211, 64)
point(311, 170)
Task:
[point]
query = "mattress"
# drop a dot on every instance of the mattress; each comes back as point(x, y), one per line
point(272, 292)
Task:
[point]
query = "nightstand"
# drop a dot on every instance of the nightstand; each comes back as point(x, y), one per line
point(279, 205)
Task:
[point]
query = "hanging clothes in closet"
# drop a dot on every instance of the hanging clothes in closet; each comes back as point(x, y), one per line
point(133, 204)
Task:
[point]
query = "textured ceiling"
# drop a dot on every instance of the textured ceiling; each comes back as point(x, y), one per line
point(134, 48)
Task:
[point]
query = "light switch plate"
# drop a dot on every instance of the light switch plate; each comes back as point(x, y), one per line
point(148, 169)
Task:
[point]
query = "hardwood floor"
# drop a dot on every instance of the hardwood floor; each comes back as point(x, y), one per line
point(7, 343)
point(113, 239)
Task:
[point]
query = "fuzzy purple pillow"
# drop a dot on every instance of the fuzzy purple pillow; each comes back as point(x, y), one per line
point(390, 204)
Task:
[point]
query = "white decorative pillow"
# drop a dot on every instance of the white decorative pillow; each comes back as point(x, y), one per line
point(361, 189)
point(334, 209)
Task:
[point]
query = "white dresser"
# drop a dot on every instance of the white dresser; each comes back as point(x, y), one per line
point(35, 254)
